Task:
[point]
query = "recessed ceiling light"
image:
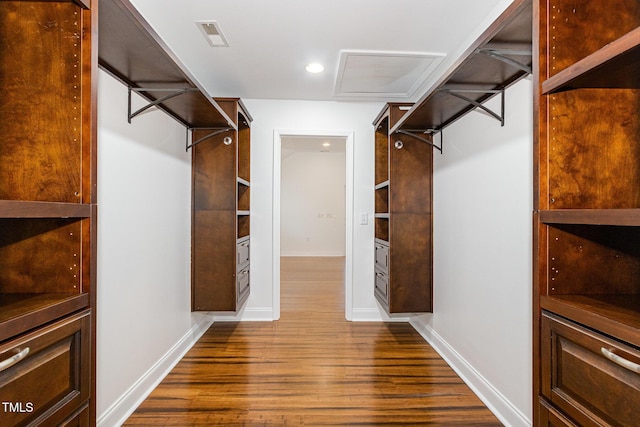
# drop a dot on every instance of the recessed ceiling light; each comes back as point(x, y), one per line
point(326, 144)
point(315, 67)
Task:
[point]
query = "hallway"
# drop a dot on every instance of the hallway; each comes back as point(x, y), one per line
point(312, 368)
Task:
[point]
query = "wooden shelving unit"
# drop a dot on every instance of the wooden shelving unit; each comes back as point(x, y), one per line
point(222, 214)
point(500, 57)
point(48, 210)
point(403, 252)
point(587, 202)
point(132, 51)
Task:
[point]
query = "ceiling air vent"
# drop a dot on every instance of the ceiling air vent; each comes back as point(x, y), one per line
point(212, 32)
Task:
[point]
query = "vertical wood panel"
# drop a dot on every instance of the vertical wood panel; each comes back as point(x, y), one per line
point(41, 151)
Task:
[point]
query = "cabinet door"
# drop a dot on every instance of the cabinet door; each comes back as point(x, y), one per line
point(583, 374)
point(45, 375)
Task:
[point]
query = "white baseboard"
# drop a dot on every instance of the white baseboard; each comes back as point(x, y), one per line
point(497, 403)
point(258, 314)
point(118, 413)
point(374, 315)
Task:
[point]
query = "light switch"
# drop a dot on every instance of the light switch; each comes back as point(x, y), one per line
point(364, 218)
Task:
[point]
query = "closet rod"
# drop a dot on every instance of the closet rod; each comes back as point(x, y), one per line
point(217, 131)
point(419, 138)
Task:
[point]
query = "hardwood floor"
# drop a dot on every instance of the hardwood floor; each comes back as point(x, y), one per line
point(312, 368)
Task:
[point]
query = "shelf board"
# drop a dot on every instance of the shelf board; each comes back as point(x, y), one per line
point(616, 65)
point(244, 182)
point(21, 312)
point(134, 53)
point(244, 213)
point(381, 215)
point(512, 31)
point(384, 184)
point(614, 315)
point(28, 209)
point(620, 217)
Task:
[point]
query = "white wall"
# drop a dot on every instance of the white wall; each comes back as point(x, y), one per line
point(144, 205)
point(482, 254)
point(313, 204)
point(482, 243)
point(323, 117)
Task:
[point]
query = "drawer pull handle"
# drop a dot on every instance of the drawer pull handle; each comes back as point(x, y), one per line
point(5, 364)
point(621, 361)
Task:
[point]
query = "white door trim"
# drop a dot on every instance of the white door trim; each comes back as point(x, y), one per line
point(277, 173)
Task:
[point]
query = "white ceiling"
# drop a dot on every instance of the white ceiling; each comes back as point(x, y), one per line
point(271, 42)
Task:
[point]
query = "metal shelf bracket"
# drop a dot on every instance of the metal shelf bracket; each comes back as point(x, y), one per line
point(216, 131)
point(458, 94)
point(500, 54)
point(173, 93)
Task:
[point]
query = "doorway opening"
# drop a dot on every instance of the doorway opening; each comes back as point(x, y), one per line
point(313, 203)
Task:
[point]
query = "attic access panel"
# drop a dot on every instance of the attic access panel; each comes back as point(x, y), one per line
point(131, 51)
point(383, 74)
point(477, 71)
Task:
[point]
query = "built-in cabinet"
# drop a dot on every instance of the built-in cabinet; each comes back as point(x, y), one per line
point(47, 212)
point(221, 213)
point(403, 248)
point(587, 213)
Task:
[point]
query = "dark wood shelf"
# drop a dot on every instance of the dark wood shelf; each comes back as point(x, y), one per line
point(134, 53)
point(29, 209)
point(619, 217)
point(615, 315)
point(21, 312)
point(616, 65)
point(475, 70)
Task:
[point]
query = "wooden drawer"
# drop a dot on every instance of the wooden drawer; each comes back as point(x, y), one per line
point(46, 377)
point(242, 254)
point(243, 285)
point(79, 419)
point(382, 287)
point(382, 257)
point(581, 377)
point(549, 417)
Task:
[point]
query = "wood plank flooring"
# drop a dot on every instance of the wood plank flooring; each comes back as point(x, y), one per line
point(312, 368)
